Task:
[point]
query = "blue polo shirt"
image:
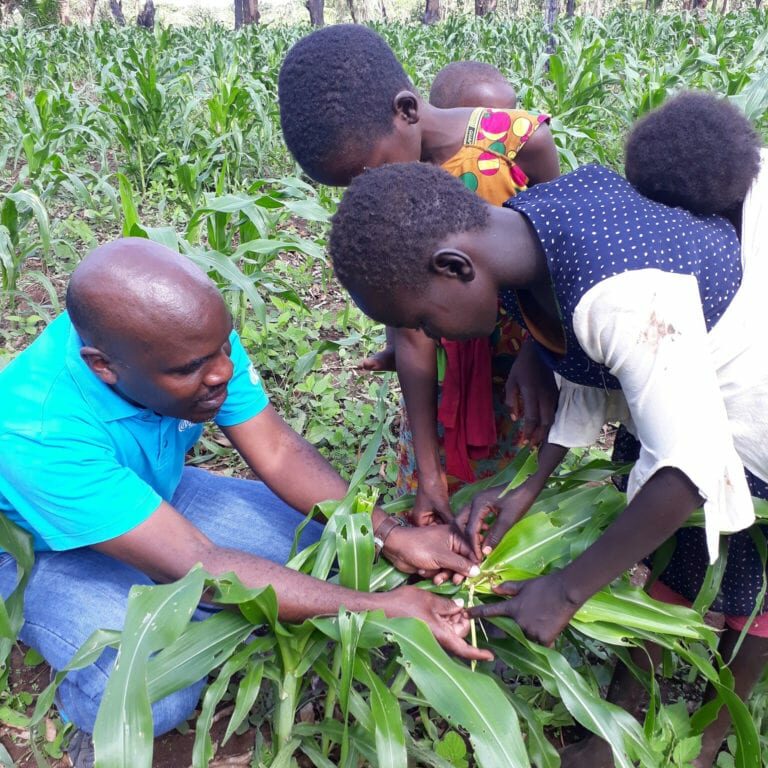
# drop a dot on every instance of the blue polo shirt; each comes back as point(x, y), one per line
point(78, 463)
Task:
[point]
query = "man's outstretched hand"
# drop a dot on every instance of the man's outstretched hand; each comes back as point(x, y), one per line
point(447, 620)
point(430, 550)
point(540, 606)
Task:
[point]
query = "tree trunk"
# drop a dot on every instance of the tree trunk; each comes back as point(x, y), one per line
point(146, 16)
point(431, 12)
point(316, 10)
point(384, 12)
point(351, 7)
point(246, 12)
point(116, 6)
point(91, 11)
point(570, 8)
point(549, 24)
point(758, 4)
point(64, 17)
point(484, 7)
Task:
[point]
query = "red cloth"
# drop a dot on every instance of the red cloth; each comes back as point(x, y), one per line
point(466, 406)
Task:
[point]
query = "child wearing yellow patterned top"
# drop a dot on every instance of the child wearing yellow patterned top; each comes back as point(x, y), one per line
point(346, 104)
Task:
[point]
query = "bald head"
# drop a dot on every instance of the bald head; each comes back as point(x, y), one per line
point(123, 292)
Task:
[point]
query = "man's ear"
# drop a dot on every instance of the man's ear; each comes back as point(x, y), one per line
point(450, 262)
point(406, 105)
point(100, 363)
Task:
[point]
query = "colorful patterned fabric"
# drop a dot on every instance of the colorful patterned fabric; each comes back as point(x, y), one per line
point(486, 162)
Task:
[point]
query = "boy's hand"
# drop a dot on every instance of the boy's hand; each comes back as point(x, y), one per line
point(431, 505)
point(481, 535)
point(430, 551)
point(447, 620)
point(540, 606)
point(532, 394)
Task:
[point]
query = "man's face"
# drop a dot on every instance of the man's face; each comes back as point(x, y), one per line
point(180, 370)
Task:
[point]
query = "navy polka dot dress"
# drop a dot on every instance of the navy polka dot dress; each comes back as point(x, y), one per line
point(592, 225)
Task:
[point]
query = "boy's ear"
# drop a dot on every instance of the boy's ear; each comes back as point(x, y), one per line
point(406, 103)
point(450, 262)
point(100, 363)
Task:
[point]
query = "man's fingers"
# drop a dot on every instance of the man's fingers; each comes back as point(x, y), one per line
point(458, 647)
point(458, 564)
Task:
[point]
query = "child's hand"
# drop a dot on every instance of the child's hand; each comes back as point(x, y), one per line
point(431, 505)
point(532, 394)
point(481, 534)
point(540, 606)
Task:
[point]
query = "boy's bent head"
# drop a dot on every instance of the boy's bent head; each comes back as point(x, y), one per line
point(337, 88)
point(386, 231)
point(697, 151)
point(471, 84)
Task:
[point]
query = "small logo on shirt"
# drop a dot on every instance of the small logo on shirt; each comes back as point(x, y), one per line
point(254, 376)
point(184, 425)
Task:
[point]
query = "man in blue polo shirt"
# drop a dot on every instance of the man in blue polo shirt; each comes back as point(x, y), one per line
point(100, 412)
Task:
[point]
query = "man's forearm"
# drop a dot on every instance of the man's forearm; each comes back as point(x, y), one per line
point(299, 596)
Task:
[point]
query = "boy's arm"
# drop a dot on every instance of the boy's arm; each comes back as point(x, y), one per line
point(416, 363)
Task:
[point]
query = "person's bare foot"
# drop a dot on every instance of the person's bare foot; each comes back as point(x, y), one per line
point(383, 360)
point(589, 753)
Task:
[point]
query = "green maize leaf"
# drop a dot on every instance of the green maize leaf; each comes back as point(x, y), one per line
point(350, 626)
point(543, 754)
point(272, 247)
point(24, 198)
point(389, 729)
point(307, 209)
point(626, 606)
point(130, 212)
point(521, 466)
point(463, 698)
point(202, 749)
point(246, 695)
point(18, 543)
point(213, 261)
point(155, 617)
point(87, 654)
point(166, 236)
point(200, 649)
point(259, 605)
point(354, 550)
point(611, 723)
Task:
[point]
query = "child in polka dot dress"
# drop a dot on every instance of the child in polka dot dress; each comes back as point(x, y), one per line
point(346, 104)
point(651, 315)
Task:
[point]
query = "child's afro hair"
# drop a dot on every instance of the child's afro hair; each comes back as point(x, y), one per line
point(698, 151)
point(391, 219)
point(454, 79)
point(336, 89)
